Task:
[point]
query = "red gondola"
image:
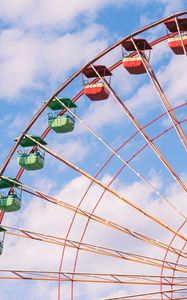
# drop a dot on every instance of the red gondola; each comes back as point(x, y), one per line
point(96, 91)
point(176, 44)
point(134, 64)
point(175, 25)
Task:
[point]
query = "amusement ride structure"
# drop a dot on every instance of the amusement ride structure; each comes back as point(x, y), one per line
point(169, 280)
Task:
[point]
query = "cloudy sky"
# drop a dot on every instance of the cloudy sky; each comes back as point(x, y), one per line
point(44, 42)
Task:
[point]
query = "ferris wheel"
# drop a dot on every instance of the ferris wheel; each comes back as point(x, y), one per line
point(121, 222)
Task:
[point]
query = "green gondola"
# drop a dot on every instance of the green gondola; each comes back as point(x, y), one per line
point(61, 124)
point(34, 160)
point(12, 201)
point(2, 233)
point(31, 161)
point(64, 123)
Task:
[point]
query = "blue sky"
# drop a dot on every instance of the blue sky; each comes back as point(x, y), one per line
point(42, 44)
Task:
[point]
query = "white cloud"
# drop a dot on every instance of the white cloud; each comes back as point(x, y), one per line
point(17, 122)
point(47, 14)
point(173, 79)
point(168, 6)
point(172, 6)
point(17, 62)
point(27, 60)
point(58, 14)
point(73, 150)
point(30, 57)
point(143, 100)
point(100, 115)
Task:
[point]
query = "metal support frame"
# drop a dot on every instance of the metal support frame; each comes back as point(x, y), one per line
point(162, 96)
point(141, 130)
point(103, 221)
point(99, 250)
point(126, 163)
point(135, 279)
point(113, 192)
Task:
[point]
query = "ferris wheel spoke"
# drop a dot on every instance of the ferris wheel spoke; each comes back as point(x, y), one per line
point(126, 163)
point(96, 249)
point(104, 192)
point(162, 95)
point(83, 277)
point(109, 224)
point(77, 253)
point(113, 192)
point(101, 220)
point(141, 130)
